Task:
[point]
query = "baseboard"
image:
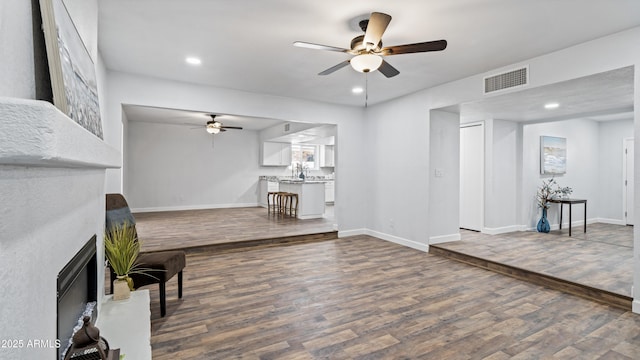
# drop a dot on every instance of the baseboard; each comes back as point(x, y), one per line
point(503, 230)
point(444, 238)
point(355, 232)
point(574, 224)
point(609, 221)
point(192, 207)
point(398, 240)
point(635, 306)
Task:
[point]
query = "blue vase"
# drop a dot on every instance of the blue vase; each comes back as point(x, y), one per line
point(543, 223)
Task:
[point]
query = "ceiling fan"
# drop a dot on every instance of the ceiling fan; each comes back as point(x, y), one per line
point(368, 48)
point(213, 126)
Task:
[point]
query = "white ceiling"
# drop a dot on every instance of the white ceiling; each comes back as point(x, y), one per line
point(601, 97)
point(247, 44)
point(193, 118)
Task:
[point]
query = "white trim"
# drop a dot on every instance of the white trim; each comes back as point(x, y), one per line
point(444, 238)
point(398, 240)
point(192, 207)
point(635, 306)
point(482, 124)
point(503, 229)
point(624, 179)
point(565, 225)
point(354, 232)
point(607, 221)
point(311, 216)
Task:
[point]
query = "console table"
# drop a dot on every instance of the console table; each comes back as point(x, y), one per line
point(126, 324)
point(570, 202)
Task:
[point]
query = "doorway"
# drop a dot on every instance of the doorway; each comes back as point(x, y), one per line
point(471, 176)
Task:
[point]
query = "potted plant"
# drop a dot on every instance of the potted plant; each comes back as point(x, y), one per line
point(122, 249)
point(549, 190)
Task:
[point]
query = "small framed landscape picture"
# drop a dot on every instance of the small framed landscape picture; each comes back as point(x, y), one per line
point(553, 155)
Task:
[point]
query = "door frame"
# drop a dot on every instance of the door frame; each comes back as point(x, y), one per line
point(625, 205)
point(483, 170)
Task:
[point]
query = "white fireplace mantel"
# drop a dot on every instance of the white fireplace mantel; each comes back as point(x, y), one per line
point(35, 133)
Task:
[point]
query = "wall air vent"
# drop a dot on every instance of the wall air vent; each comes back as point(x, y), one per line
point(287, 127)
point(506, 80)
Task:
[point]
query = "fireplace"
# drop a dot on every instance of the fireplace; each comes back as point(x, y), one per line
point(77, 292)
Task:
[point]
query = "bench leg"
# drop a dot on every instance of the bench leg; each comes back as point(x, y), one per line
point(163, 299)
point(180, 285)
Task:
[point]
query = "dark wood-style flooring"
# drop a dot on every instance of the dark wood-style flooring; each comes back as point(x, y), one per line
point(200, 228)
point(365, 298)
point(602, 258)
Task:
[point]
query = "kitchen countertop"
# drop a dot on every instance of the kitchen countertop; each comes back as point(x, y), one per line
point(290, 180)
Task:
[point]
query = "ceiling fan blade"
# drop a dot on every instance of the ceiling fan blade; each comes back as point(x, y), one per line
point(378, 23)
point(319, 47)
point(437, 45)
point(387, 70)
point(334, 68)
point(232, 127)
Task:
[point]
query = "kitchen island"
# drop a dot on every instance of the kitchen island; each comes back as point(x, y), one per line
point(311, 197)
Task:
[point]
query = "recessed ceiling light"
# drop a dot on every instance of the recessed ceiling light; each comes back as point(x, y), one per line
point(551, 105)
point(357, 90)
point(193, 61)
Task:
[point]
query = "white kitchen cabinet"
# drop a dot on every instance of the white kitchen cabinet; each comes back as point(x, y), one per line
point(327, 157)
point(276, 154)
point(264, 188)
point(310, 196)
point(329, 191)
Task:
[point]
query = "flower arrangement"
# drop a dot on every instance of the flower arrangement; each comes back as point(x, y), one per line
point(301, 169)
point(550, 190)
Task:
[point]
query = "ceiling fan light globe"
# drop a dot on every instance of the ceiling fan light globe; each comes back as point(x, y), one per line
point(212, 128)
point(366, 62)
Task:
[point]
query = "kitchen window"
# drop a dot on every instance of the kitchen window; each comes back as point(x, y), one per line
point(307, 155)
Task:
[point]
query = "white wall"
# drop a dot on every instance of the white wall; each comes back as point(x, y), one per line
point(350, 192)
point(444, 175)
point(503, 141)
point(176, 167)
point(395, 177)
point(594, 167)
point(610, 165)
point(16, 42)
point(608, 53)
point(16, 50)
point(582, 166)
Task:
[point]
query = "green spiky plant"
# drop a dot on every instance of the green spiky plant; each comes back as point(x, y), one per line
point(122, 250)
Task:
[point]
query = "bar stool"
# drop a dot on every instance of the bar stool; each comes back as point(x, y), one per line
point(287, 205)
point(293, 210)
point(272, 198)
point(283, 202)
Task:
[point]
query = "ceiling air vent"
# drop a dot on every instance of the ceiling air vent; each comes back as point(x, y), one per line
point(287, 127)
point(506, 80)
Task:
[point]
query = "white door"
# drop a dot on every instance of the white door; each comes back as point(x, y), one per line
point(471, 176)
point(628, 180)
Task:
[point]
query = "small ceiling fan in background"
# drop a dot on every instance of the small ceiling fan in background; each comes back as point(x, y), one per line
point(368, 49)
point(214, 127)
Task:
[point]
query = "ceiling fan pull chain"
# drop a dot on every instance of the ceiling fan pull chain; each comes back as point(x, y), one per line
point(366, 89)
